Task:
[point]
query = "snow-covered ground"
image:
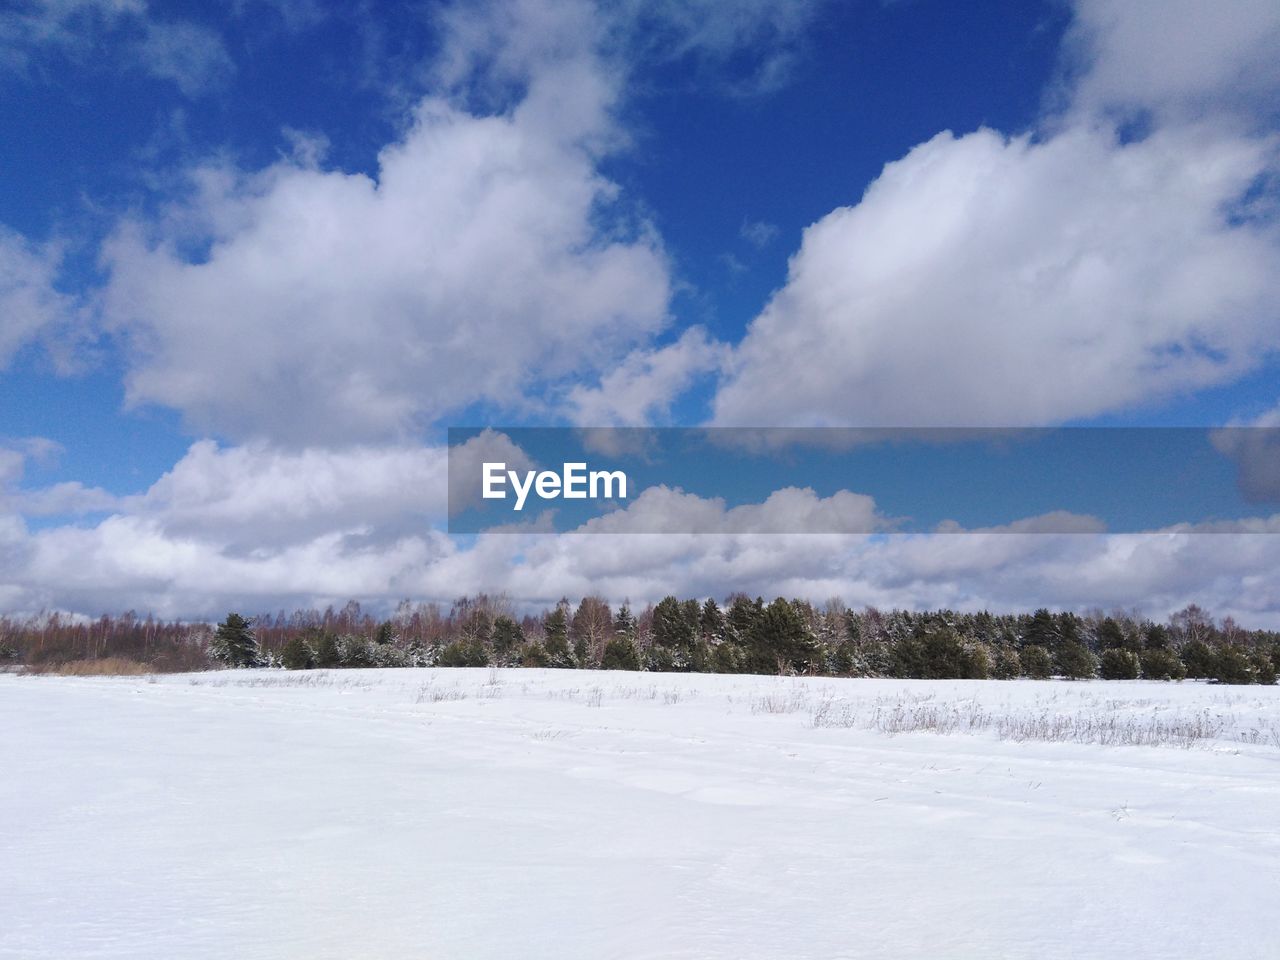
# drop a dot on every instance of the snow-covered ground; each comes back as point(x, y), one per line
point(523, 814)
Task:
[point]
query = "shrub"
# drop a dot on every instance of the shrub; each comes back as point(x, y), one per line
point(297, 655)
point(620, 654)
point(464, 653)
point(355, 652)
point(389, 655)
point(1036, 662)
point(665, 660)
point(1162, 664)
point(1117, 663)
point(534, 655)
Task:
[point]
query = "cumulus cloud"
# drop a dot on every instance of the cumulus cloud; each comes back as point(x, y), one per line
point(486, 260)
point(993, 279)
point(260, 528)
point(466, 462)
point(1179, 58)
point(662, 509)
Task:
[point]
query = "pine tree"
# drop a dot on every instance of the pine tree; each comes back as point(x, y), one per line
point(711, 622)
point(328, 653)
point(673, 627)
point(620, 654)
point(624, 624)
point(780, 641)
point(508, 637)
point(1036, 662)
point(1118, 664)
point(234, 643)
point(297, 655)
point(1075, 662)
point(555, 637)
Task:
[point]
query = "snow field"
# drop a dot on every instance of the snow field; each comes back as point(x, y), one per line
point(391, 814)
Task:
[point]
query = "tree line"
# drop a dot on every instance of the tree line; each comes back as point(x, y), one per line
point(744, 635)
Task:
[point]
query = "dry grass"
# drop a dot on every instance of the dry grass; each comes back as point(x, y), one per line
point(781, 702)
point(105, 667)
point(895, 716)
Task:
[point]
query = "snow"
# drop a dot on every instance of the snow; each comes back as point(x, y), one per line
point(476, 814)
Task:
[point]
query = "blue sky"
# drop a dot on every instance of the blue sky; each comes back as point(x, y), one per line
point(255, 257)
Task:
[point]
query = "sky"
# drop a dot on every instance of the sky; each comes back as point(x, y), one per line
point(257, 256)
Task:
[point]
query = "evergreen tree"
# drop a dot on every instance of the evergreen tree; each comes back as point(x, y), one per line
point(780, 641)
point(234, 643)
point(741, 618)
point(1041, 630)
point(1161, 664)
point(508, 637)
point(327, 652)
point(672, 626)
point(624, 624)
point(1199, 658)
point(620, 654)
point(1075, 662)
point(1036, 662)
point(1232, 665)
point(555, 638)
point(711, 622)
point(1007, 664)
point(297, 655)
point(1110, 635)
point(1117, 663)
point(1264, 668)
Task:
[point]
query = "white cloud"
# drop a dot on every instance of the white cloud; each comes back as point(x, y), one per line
point(791, 510)
point(641, 388)
point(985, 279)
point(258, 528)
point(31, 307)
point(758, 233)
point(466, 465)
point(484, 262)
point(118, 32)
point(1180, 58)
point(190, 55)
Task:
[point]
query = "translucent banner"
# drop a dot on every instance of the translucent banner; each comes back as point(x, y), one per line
point(863, 481)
